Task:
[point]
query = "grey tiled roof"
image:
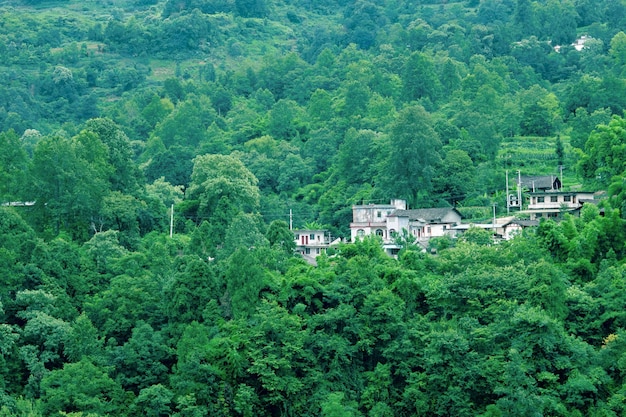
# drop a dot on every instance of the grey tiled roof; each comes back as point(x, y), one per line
point(538, 181)
point(427, 214)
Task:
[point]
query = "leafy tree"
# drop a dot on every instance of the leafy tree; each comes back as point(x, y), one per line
point(191, 291)
point(69, 181)
point(219, 177)
point(540, 112)
point(119, 308)
point(320, 106)
point(605, 152)
point(173, 164)
point(121, 212)
point(154, 401)
point(245, 279)
point(142, 361)
point(355, 97)
point(156, 110)
point(356, 158)
point(334, 406)
point(456, 176)
point(125, 175)
point(83, 341)
point(583, 123)
point(283, 120)
point(280, 237)
point(81, 387)
point(193, 378)
point(420, 79)
point(103, 249)
point(413, 153)
point(251, 8)
point(281, 369)
point(13, 165)
point(244, 231)
point(560, 19)
point(294, 173)
point(186, 126)
point(165, 192)
point(559, 150)
point(320, 148)
point(618, 51)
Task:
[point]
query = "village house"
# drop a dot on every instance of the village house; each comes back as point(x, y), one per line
point(312, 243)
point(546, 198)
point(509, 228)
point(389, 220)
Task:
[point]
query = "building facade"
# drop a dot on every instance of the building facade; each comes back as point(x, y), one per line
point(553, 203)
point(390, 220)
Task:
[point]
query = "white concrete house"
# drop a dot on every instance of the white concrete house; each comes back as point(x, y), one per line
point(388, 220)
point(552, 203)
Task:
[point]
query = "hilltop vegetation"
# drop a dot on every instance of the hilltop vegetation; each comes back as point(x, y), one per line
point(237, 112)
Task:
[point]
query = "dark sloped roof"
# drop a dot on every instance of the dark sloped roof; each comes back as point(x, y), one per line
point(543, 182)
point(427, 214)
point(524, 223)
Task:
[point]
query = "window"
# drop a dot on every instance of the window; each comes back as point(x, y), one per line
point(392, 232)
point(378, 214)
point(307, 251)
point(297, 237)
point(360, 232)
point(540, 199)
point(567, 198)
point(379, 232)
point(554, 198)
point(312, 236)
point(317, 251)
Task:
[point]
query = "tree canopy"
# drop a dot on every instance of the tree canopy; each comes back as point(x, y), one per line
point(156, 155)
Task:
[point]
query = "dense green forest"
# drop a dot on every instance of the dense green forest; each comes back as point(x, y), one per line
point(230, 114)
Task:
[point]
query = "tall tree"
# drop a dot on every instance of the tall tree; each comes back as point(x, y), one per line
point(413, 153)
point(456, 176)
point(69, 182)
point(218, 177)
point(125, 175)
point(420, 79)
point(13, 164)
point(605, 152)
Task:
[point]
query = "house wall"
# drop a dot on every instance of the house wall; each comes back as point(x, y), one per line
point(511, 230)
point(548, 198)
point(311, 242)
point(368, 214)
point(437, 230)
point(452, 217)
point(370, 219)
point(397, 223)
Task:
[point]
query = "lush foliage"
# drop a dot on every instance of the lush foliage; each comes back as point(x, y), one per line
point(152, 154)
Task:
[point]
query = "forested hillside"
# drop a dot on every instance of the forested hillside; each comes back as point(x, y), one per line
point(225, 116)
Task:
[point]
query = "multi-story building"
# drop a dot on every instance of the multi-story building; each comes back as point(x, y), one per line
point(390, 220)
point(312, 243)
point(553, 203)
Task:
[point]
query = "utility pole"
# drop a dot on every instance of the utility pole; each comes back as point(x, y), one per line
point(494, 218)
point(508, 201)
point(290, 219)
point(519, 189)
point(172, 221)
